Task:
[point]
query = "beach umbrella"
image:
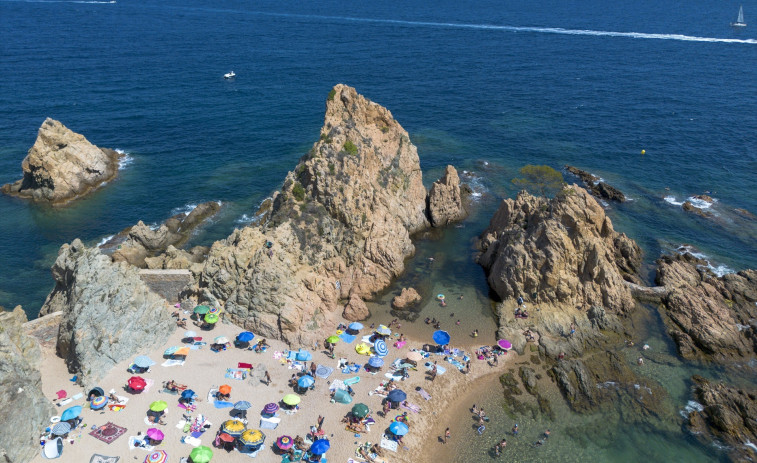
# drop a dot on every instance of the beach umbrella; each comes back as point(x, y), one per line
point(441, 337)
point(158, 456)
point(221, 340)
point(342, 396)
point(155, 434)
point(414, 356)
point(224, 389)
point(383, 330)
point(171, 350)
point(376, 362)
point(270, 408)
point(233, 427)
point(158, 406)
point(71, 413)
point(396, 395)
point(245, 336)
point(303, 355)
point(61, 428)
point(284, 442)
point(252, 437)
point(202, 309)
point(504, 344)
point(291, 399)
point(226, 437)
point(320, 446)
point(143, 361)
point(332, 339)
point(211, 318)
point(201, 454)
point(215, 310)
point(183, 351)
point(190, 334)
point(380, 348)
point(305, 381)
point(136, 383)
point(355, 326)
point(96, 391)
point(188, 394)
point(398, 428)
point(98, 402)
point(242, 405)
point(360, 410)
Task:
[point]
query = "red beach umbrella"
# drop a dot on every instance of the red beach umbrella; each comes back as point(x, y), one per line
point(137, 383)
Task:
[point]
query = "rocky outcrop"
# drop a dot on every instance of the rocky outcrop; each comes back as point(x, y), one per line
point(109, 314)
point(709, 317)
point(596, 186)
point(339, 228)
point(141, 245)
point(24, 410)
point(356, 309)
point(445, 200)
point(728, 415)
point(407, 298)
point(62, 166)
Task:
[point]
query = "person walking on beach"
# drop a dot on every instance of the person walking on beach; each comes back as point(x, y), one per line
point(320, 422)
point(267, 378)
point(446, 435)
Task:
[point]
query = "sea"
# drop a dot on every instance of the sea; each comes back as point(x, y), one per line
point(659, 99)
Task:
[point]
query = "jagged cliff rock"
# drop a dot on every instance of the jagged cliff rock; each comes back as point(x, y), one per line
point(109, 314)
point(596, 186)
point(339, 228)
point(728, 415)
point(62, 165)
point(24, 410)
point(709, 317)
point(139, 243)
point(407, 298)
point(445, 199)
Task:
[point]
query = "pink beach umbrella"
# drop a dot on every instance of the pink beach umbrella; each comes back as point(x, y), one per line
point(158, 456)
point(504, 344)
point(284, 442)
point(155, 434)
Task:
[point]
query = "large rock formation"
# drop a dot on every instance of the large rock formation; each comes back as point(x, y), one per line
point(407, 298)
point(62, 165)
point(728, 414)
point(24, 410)
point(445, 199)
point(596, 186)
point(141, 245)
point(109, 314)
point(339, 228)
point(709, 317)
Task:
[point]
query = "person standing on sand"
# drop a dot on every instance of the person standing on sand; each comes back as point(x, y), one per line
point(320, 422)
point(446, 435)
point(267, 378)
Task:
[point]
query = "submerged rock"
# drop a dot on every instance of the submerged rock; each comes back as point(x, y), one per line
point(24, 410)
point(709, 317)
point(596, 186)
point(407, 298)
point(62, 166)
point(109, 314)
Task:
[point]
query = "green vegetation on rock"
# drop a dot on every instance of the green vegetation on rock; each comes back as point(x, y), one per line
point(541, 180)
point(350, 148)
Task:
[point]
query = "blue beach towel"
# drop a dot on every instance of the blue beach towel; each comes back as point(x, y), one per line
point(348, 338)
point(323, 372)
point(222, 404)
point(454, 362)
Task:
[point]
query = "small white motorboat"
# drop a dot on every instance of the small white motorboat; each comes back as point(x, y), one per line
point(229, 75)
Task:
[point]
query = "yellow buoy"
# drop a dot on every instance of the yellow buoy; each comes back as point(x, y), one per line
point(643, 151)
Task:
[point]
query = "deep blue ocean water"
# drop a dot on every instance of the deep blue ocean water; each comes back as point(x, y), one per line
point(487, 86)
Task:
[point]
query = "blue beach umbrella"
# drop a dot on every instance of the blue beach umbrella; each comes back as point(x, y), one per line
point(143, 361)
point(380, 348)
point(441, 337)
point(376, 362)
point(398, 428)
point(71, 413)
point(355, 326)
point(320, 446)
point(188, 394)
point(242, 405)
point(245, 336)
point(396, 395)
point(306, 381)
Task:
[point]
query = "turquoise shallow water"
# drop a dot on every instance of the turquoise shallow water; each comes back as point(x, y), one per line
point(485, 86)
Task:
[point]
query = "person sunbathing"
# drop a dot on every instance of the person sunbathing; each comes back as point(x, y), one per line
point(173, 386)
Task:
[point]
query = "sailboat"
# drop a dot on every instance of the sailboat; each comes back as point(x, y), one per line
point(740, 20)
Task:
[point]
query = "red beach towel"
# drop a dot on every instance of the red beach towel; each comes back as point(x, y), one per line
point(244, 365)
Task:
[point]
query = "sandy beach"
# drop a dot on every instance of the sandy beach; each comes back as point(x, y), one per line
point(205, 369)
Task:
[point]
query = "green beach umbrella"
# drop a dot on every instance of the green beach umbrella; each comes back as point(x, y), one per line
point(158, 406)
point(202, 309)
point(332, 339)
point(211, 318)
point(360, 410)
point(291, 399)
point(201, 454)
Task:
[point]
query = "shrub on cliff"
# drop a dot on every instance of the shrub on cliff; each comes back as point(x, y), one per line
point(542, 180)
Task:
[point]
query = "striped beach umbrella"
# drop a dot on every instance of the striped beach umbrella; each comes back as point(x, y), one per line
point(252, 437)
point(143, 361)
point(158, 456)
point(380, 348)
point(61, 428)
point(98, 402)
point(284, 442)
point(233, 427)
point(215, 310)
point(270, 408)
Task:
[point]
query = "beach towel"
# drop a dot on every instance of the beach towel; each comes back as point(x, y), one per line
point(366, 339)
point(222, 404)
point(354, 368)
point(181, 424)
point(400, 344)
point(108, 432)
point(269, 423)
point(412, 407)
point(169, 391)
point(440, 370)
point(424, 394)
point(323, 372)
point(172, 363)
point(193, 441)
point(244, 365)
point(236, 373)
point(454, 362)
point(394, 377)
point(388, 444)
point(143, 446)
point(189, 408)
point(351, 381)
point(347, 338)
point(337, 384)
point(97, 458)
